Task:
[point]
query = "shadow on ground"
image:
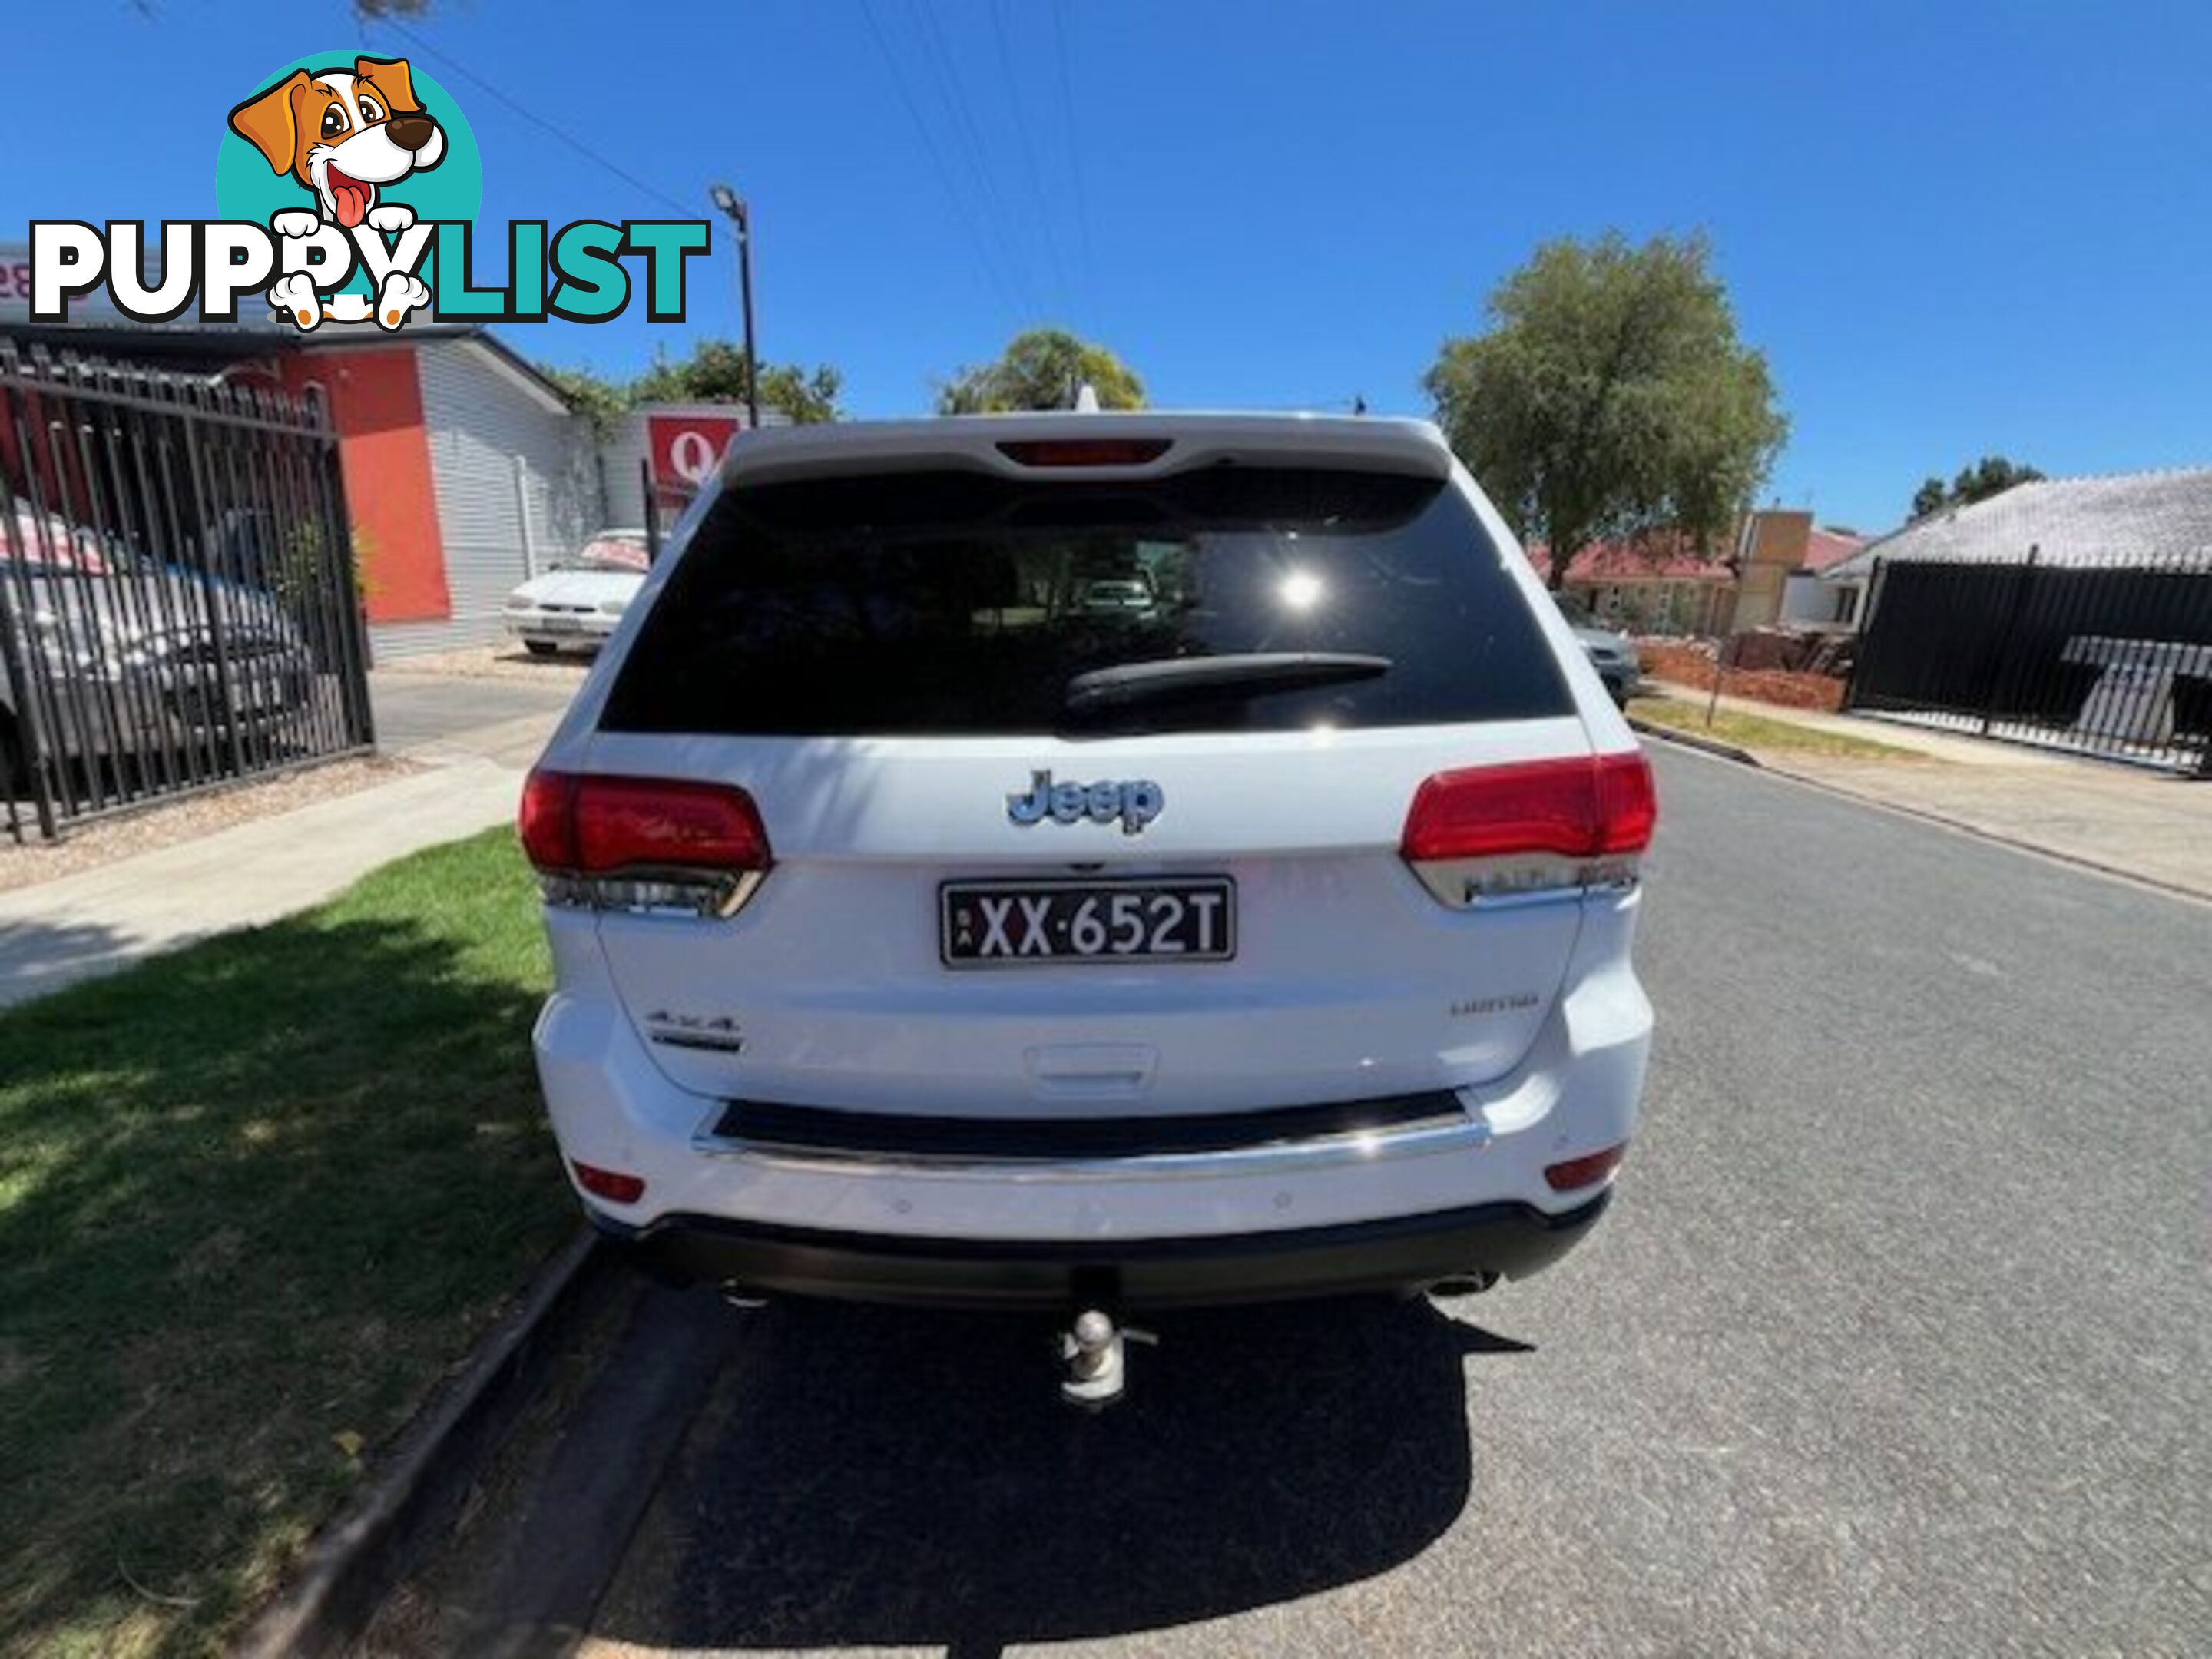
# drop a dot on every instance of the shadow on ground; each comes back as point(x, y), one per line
point(863, 1477)
point(255, 1197)
point(39, 958)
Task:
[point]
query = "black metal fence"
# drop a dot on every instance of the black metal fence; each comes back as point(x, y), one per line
point(2107, 659)
point(177, 601)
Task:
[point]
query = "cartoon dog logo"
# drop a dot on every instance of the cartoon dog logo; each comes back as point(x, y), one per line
point(345, 135)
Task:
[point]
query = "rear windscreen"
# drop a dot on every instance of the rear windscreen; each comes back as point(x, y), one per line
point(960, 603)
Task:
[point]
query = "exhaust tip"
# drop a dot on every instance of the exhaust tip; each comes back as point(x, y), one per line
point(1467, 1283)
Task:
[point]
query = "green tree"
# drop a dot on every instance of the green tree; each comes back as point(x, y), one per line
point(599, 401)
point(1990, 476)
point(810, 398)
point(1611, 396)
point(1041, 369)
point(715, 372)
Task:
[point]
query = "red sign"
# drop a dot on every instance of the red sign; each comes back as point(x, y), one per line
point(686, 448)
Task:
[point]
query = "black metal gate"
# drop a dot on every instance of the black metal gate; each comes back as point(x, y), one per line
point(2106, 660)
point(178, 600)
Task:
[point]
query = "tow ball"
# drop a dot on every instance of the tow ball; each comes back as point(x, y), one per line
point(1096, 1354)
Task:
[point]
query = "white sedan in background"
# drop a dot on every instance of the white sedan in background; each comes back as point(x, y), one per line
point(576, 604)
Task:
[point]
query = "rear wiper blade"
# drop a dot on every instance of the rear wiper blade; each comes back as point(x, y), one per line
point(1249, 673)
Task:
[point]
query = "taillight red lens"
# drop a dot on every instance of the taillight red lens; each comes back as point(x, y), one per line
point(1588, 807)
point(547, 821)
point(625, 823)
point(1627, 804)
point(1085, 452)
point(610, 1184)
point(1586, 1170)
point(595, 825)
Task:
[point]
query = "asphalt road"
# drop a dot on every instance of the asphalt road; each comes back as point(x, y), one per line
point(1897, 1342)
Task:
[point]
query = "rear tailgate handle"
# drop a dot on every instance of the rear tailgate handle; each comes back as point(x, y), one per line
point(1091, 1071)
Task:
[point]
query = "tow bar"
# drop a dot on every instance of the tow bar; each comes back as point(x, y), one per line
point(1096, 1355)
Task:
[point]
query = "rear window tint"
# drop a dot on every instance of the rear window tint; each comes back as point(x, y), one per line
point(960, 603)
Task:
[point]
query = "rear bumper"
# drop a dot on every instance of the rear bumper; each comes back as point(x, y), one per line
point(1390, 1254)
point(1221, 1201)
point(145, 710)
point(568, 628)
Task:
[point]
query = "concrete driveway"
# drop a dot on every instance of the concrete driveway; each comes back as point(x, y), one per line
point(497, 719)
point(1899, 1341)
point(474, 739)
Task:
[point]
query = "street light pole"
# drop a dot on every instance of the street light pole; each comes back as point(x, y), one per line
point(733, 209)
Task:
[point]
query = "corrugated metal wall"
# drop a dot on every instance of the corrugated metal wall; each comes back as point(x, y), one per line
point(481, 415)
point(624, 453)
point(622, 456)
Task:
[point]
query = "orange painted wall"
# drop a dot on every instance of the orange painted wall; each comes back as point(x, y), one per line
point(377, 403)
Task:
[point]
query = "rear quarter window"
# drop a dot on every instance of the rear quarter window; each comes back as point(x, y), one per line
point(961, 604)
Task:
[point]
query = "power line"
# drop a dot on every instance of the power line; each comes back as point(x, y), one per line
point(1028, 153)
point(1350, 403)
point(539, 121)
point(968, 136)
point(937, 161)
point(1074, 156)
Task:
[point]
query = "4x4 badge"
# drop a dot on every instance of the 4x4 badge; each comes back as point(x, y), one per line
point(1136, 803)
point(681, 1030)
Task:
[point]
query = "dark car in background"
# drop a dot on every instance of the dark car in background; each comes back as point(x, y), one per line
point(108, 654)
point(1609, 650)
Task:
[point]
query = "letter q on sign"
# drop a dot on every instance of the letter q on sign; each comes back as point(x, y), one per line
point(690, 457)
point(686, 448)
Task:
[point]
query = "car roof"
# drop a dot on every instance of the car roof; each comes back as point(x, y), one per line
point(972, 442)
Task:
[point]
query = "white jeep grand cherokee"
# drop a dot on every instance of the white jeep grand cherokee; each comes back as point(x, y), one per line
point(926, 930)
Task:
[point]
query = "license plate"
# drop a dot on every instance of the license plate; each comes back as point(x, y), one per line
point(994, 924)
point(559, 624)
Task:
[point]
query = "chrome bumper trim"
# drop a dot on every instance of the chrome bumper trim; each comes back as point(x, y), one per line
point(1456, 1132)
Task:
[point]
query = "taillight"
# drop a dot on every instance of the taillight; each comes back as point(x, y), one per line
point(1085, 452)
point(1586, 1170)
point(547, 820)
point(648, 844)
point(1530, 826)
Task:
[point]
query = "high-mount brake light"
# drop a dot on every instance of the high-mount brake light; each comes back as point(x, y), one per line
point(1530, 827)
point(1085, 452)
point(642, 844)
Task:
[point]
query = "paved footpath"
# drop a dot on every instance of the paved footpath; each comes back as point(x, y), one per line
point(2127, 820)
point(475, 740)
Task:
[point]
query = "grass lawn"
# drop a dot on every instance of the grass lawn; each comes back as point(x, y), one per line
point(256, 1198)
point(1757, 732)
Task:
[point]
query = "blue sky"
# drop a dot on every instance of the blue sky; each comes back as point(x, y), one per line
point(1953, 227)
